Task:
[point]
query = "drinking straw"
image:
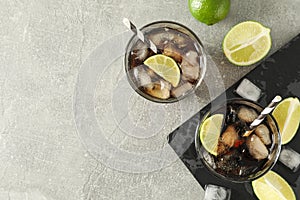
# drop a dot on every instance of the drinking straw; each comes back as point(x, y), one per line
point(139, 34)
point(262, 115)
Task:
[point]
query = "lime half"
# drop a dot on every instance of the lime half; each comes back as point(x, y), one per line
point(272, 186)
point(287, 116)
point(247, 43)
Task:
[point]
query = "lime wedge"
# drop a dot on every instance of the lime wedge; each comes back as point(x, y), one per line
point(247, 43)
point(287, 116)
point(272, 186)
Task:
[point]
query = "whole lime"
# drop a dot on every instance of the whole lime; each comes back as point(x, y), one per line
point(209, 11)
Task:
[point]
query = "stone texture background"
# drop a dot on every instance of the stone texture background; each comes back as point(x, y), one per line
point(42, 46)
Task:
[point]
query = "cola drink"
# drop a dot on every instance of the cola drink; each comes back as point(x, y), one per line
point(175, 41)
point(240, 157)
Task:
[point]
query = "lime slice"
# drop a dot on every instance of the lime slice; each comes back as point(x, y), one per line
point(210, 132)
point(165, 67)
point(247, 43)
point(272, 186)
point(287, 116)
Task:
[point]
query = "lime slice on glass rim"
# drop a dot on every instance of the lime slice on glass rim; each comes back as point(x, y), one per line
point(210, 131)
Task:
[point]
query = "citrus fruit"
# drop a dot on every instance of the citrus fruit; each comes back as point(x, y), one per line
point(210, 132)
point(272, 186)
point(209, 11)
point(247, 43)
point(165, 67)
point(287, 116)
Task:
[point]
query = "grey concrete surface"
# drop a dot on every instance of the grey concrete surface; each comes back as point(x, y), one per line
point(42, 47)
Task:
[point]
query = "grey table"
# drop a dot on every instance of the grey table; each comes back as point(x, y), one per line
point(43, 44)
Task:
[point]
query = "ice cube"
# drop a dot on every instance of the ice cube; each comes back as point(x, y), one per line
point(182, 89)
point(161, 38)
point(156, 38)
point(290, 158)
point(247, 114)
point(229, 136)
point(215, 192)
point(151, 73)
point(165, 84)
point(190, 74)
point(160, 90)
point(263, 133)
point(256, 147)
point(180, 40)
point(191, 57)
point(171, 51)
point(142, 77)
point(141, 51)
point(248, 90)
point(190, 66)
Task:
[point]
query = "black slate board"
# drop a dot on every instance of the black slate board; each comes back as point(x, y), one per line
point(278, 74)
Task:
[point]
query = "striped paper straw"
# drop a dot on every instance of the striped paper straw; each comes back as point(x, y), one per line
point(139, 34)
point(263, 114)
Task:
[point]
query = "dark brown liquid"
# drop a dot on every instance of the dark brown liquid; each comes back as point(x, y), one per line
point(169, 42)
point(237, 160)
